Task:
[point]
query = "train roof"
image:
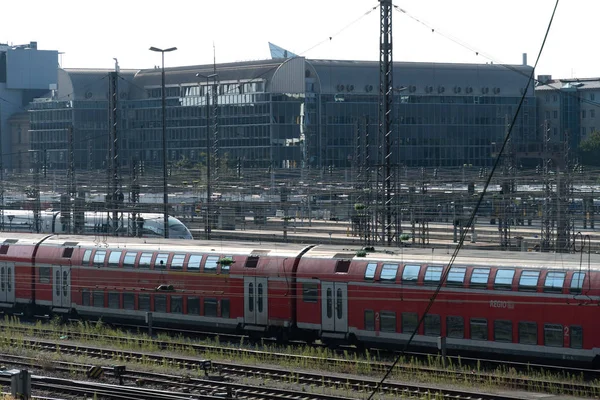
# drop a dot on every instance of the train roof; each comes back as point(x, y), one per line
point(175, 245)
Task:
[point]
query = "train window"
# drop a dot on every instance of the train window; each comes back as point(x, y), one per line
point(342, 266)
point(339, 304)
point(309, 292)
point(44, 274)
point(251, 297)
point(432, 325)
point(553, 335)
point(98, 298)
point(529, 280)
point(411, 273)
point(370, 271)
point(479, 330)
point(86, 257)
point(576, 336)
point(225, 308)
point(527, 333)
point(210, 307)
point(455, 327)
point(85, 297)
point(259, 297)
point(211, 263)
point(4, 249)
point(193, 305)
point(161, 261)
point(369, 320)
point(129, 260)
point(160, 303)
point(456, 276)
point(194, 262)
point(128, 301)
point(503, 331)
point(67, 252)
point(99, 257)
point(329, 303)
point(114, 258)
point(176, 304)
point(577, 282)
point(388, 321)
point(388, 272)
point(113, 300)
point(554, 281)
point(251, 262)
point(144, 302)
point(145, 260)
point(177, 262)
point(504, 278)
point(409, 322)
point(433, 275)
point(479, 277)
point(225, 267)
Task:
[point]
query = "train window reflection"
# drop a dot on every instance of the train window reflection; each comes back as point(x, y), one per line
point(456, 276)
point(161, 261)
point(553, 335)
point(411, 273)
point(577, 282)
point(479, 329)
point(145, 260)
point(99, 257)
point(211, 263)
point(409, 322)
point(527, 333)
point(554, 281)
point(432, 325)
point(479, 277)
point(369, 320)
point(114, 258)
point(432, 275)
point(504, 278)
point(86, 257)
point(576, 335)
point(503, 331)
point(194, 262)
point(455, 327)
point(529, 280)
point(129, 260)
point(177, 262)
point(388, 321)
point(370, 271)
point(388, 272)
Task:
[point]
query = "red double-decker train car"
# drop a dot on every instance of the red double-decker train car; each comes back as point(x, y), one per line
point(536, 305)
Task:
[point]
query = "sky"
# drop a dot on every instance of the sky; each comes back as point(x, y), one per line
point(92, 33)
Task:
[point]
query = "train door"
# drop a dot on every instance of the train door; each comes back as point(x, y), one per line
point(255, 301)
point(7, 282)
point(61, 286)
point(334, 307)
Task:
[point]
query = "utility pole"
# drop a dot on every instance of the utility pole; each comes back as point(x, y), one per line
point(113, 195)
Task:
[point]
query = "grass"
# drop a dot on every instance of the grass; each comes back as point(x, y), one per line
point(315, 358)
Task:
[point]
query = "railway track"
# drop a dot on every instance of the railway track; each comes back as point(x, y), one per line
point(327, 380)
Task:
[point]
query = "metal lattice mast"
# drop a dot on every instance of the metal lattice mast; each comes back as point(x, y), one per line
point(215, 144)
point(368, 185)
point(546, 223)
point(113, 161)
point(564, 192)
point(386, 96)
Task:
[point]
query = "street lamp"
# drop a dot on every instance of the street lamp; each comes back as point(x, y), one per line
point(207, 153)
point(164, 140)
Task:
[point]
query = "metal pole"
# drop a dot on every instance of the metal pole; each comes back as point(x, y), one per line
point(164, 146)
point(207, 163)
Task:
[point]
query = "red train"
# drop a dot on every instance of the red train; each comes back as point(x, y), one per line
point(537, 305)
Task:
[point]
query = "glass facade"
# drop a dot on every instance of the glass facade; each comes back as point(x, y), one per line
point(261, 122)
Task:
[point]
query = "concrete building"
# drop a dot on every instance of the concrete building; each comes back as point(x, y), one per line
point(25, 74)
point(568, 107)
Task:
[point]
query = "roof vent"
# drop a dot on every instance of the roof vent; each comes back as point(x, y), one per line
point(88, 95)
point(368, 88)
point(340, 88)
point(485, 90)
point(469, 89)
point(350, 87)
point(457, 89)
point(496, 90)
point(441, 89)
point(428, 89)
point(412, 88)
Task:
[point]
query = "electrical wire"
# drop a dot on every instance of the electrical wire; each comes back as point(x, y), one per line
point(472, 216)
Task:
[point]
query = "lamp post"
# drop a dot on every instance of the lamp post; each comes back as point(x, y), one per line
point(207, 228)
point(164, 139)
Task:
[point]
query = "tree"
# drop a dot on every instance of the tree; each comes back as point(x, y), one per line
point(589, 149)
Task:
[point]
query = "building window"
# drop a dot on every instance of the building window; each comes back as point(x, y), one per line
point(583, 114)
point(555, 114)
point(592, 113)
point(592, 96)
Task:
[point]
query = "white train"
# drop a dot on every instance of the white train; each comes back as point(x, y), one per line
point(96, 223)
